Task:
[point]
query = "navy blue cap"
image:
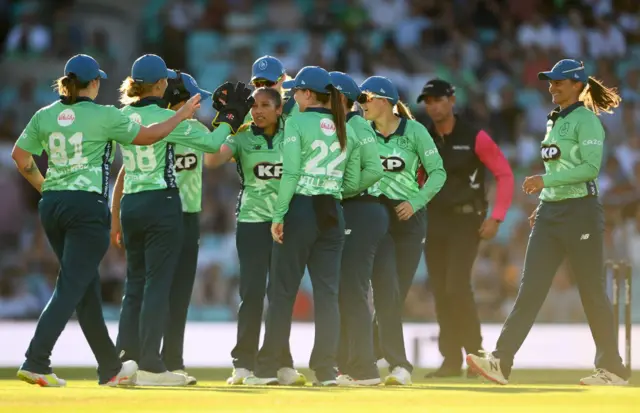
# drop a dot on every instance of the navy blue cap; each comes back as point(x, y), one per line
point(346, 85)
point(310, 77)
point(85, 68)
point(192, 87)
point(436, 88)
point(267, 67)
point(381, 87)
point(150, 68)
point(566, 69)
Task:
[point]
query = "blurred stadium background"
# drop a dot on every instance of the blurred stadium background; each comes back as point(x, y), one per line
point(490, 49)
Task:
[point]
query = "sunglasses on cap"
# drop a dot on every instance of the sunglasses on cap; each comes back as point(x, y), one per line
point(265, 82)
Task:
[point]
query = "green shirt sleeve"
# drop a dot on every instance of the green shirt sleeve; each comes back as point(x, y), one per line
point(590, 143)
point(352, 174)
point(28, 139)
point(232, 143)
point(119, 127)
point(195, 135)
point(292, 162)
point(432, 163)
point(370, 163)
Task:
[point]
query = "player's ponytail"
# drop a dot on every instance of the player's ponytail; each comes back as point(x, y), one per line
point(69, 86)
point(402, 110)
point(339, 118)
point(599, 98)
point(131, 91)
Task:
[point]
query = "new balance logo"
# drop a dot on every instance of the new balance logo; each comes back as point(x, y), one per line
point(493, 365)
point(584, 237)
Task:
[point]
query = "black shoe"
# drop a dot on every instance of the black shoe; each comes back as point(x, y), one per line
point(444, 372)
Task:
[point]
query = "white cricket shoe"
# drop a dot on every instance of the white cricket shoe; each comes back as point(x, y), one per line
point(288, 376)
point(602, 377)
point(190, 379)
point(238, 375)
point(398, 377)
point(42, 380)
point(260, 381)
point(488, 367)
point(166, 378)
point(348, 381)
point(382, 364)
point(326, 383)
point(126, 375)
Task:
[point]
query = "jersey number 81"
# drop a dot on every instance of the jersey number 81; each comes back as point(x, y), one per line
point(58, 149)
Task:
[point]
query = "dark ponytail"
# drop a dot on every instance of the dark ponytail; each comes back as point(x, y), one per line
point(599, 98)
point(403, 111)
point(337, 111)
point(69, 86)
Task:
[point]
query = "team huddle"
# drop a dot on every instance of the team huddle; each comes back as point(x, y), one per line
point(335, 179)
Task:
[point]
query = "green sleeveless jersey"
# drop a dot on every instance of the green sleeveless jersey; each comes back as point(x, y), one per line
point(370, 167)
point(78, 140)
point(313, 163)
point(189, 173)
point(572, 153)
point(259, 163)
point(152, 167)
point(401, 154)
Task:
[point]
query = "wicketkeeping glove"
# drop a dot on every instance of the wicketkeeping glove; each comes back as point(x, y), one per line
point(220, 95)
point(239, 102)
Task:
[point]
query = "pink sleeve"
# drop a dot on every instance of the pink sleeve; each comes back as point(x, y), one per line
point(492, 157)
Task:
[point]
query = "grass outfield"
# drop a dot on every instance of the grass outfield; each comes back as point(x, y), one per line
point(531, 391)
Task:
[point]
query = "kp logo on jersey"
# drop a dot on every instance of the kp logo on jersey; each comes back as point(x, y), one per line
point(266, 170)
point(549, 152)
point(392, 164)
point(186, 162)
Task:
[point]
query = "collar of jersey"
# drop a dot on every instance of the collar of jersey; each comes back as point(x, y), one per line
point(557, 113)
point(258, 131)
point(65, 100)
point(351, 115)
point(319, 110)
point(149, 100)
point(399, 132)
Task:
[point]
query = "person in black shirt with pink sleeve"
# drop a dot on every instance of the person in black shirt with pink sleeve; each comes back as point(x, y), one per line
point(458, 219)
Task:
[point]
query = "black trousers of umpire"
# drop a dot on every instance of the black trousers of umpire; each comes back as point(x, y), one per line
point(313, 238)
point(77, 226)
point(367, 222)
point(450, 251)
point(573, 228)
point(152, 226)
point(395, 265)
point(254, 245)
point(180, 296)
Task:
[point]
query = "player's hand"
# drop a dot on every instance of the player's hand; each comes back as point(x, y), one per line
point(277, 232)
point(219, 97)
point(532, 218)
point(189, 108)
point(404, 211)
point(116, 235)
point(489, 228)
point(532, 184)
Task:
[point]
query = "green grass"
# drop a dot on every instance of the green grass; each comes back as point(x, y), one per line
point(531, 391)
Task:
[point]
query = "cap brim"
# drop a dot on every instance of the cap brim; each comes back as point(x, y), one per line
point(289, 84)
point(103, 75)
point(551, 76)
point(204, 95)
point(422, 97)
point(265, 76)
point(171, 74)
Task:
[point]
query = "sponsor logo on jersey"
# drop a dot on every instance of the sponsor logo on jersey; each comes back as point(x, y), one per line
point(66, 118)
point(135, 117)
point(328, 127)
point(393, 164)
point(564, 129)
point(267, 170)
point(549, 152)
point(186, 162)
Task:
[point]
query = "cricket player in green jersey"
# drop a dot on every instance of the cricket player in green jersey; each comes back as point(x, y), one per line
point(151, 214)
point(366, 222)
point(257, 150)
point(78, 136)
point(568, 223)
point(320, 161)
point(404, 146)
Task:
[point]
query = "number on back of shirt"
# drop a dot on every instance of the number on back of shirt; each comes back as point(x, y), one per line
point(313, 168)
point(58, 149)
point(144, 159)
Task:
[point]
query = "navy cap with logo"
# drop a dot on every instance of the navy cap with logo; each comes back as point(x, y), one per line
point(312, 78)
point(268, 68)
point(381, 87)
point(346, 85)
point(566, 69)
point(436, 88)
point(150, 68)
point(85, 68)
point(192, 87)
